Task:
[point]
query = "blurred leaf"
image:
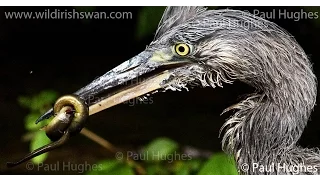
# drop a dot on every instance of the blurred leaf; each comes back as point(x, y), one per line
point(219, 164)
point(159, 149)
point(40, 139)
point(104, 166)
point(112, 167)
point(48, 96)
point(38, 102)
point(122, 169)
point(183, 171)
point(148, 19)
point(45, 98)
point(181, 168)
point(187, 167)
point(156, 169)
point(194, 164)
point(153, 169)
point(30, 122)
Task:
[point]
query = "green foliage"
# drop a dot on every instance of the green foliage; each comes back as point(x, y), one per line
point(171, 162)
point(39, 102)
point(187, 167)
point(29, 122)
point(219, 164)
point(112, 167)
point(37, 105)
point(39, 139)
point(159, 149)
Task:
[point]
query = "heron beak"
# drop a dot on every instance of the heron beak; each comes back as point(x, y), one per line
point(142, 74)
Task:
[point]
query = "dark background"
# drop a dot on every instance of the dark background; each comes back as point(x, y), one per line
point(65, 55)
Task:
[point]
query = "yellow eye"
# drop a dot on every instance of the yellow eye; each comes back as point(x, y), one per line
point(182, 49)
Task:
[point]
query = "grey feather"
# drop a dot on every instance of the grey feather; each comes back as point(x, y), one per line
point(231, 45)
point(174, 15)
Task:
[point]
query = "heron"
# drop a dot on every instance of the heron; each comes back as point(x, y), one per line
point(195, 46)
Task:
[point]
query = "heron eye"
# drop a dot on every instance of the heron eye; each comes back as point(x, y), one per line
point(182, 49)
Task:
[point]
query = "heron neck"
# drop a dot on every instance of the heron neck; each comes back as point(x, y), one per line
point(264, 134)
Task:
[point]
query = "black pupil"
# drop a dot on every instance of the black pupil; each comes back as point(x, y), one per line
point(181, 49)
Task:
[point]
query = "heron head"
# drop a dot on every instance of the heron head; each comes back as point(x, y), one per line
point(196, 46)
point(173, 60)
